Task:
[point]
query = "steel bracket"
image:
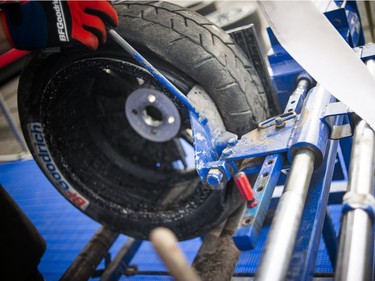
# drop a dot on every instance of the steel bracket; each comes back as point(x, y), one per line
point(278, 121)
point(338, 131)
point(210, 136)
point(215, 148)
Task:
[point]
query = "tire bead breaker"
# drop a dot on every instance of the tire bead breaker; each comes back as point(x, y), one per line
point(303, 139)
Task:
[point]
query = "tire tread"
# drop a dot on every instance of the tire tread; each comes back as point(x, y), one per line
point(221, 52)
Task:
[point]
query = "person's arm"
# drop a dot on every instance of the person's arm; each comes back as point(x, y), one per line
point(40, 24)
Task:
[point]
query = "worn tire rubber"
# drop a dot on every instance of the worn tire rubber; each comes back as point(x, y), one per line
point(89, 149)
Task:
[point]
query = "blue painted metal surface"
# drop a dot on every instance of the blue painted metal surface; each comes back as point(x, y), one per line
point(262, 142)
point(355, 23)
point(317, 122)
point(248, 233)
point(330, 239)
point(211, 140)
point(308, 131)
point(304, 130)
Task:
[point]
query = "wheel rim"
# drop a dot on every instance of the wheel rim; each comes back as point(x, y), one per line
point(152, 115)
point(139, 162)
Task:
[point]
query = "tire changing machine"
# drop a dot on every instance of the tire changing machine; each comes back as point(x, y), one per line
point(311, 142)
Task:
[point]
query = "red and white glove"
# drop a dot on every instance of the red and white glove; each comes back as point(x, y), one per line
point(41, 24)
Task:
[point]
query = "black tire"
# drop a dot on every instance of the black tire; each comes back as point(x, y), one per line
point(72, 116)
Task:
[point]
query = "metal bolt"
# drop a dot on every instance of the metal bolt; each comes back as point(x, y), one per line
point(203, 120)
point(151, 98)
point(107, 70)
point(233, 141)
point(279, 122)
point(171, 120)
point(214, 177)
point(227, 152)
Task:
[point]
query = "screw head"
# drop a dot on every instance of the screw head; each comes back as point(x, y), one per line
point(214, 177)
point(233, 141)
point(203, 120)
point(279, 122)
point(151, 98)
point(227, 152)
point(171, 120)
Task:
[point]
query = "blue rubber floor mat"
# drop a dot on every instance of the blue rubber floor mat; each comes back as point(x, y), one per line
point(67, 230)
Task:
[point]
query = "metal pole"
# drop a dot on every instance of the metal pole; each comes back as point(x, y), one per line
point(85, 264)
point(118, 266)
point(303, 260)
point(281, 238)
point(355, 258)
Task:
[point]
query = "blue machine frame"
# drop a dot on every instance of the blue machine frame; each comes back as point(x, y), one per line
point(312, 121)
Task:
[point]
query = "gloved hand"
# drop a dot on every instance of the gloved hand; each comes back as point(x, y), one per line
point(40, 24)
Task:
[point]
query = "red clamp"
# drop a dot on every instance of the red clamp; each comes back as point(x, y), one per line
point(245, 189)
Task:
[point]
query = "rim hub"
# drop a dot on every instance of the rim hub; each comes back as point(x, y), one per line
point(152, 115)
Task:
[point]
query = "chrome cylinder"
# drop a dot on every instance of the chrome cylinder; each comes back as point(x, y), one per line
point(310, 132)
point(281, 238)
point(355, 258)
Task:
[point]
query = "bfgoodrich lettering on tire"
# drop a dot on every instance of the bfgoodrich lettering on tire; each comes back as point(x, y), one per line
point(132, 180)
